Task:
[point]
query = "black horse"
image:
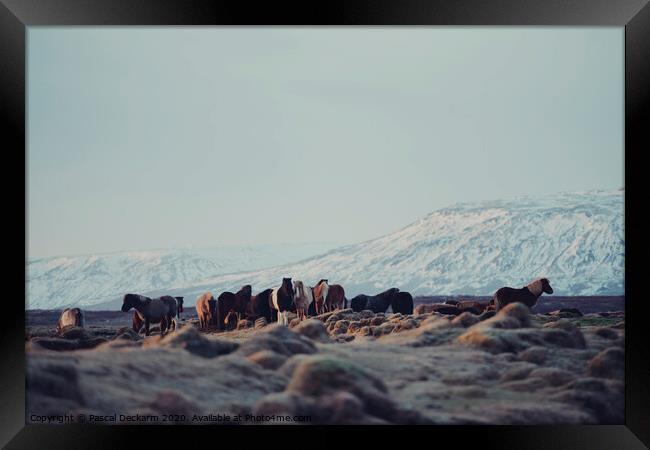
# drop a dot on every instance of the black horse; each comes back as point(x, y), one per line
point(227, 302)
point(402, 303)
point(376, 303)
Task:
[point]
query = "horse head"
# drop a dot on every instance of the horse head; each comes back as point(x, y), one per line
point(546, 286)
point(299, 289)
point(288, 286)
point(246, 291)
point(130, 301)
point(179, 302)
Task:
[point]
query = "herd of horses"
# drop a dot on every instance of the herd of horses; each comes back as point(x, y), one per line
point(275, 304)
point(296, 297)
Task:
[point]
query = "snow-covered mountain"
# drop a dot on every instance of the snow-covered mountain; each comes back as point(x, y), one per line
point(574, 239)
point(101, 279)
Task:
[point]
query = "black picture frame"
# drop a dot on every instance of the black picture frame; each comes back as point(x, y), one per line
point(634, 15)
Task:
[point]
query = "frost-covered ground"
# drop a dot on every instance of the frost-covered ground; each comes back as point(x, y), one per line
point(341, 367)
point(575, 239)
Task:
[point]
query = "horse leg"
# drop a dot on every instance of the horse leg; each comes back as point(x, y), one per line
point(146, 327)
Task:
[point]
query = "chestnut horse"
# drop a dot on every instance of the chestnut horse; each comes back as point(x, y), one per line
point(320, 295)
point(206, 308)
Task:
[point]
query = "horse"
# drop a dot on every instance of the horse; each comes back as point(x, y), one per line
point(179, 301)
point(231, 320)
point(170, 320)
point(320, 295)
point(402, 303)
point(260, 306)
point(476, 308)
point(335, 297)
point(376, 303)
point(311, 310)
point(303, 297)
point(228, 302)
point(281, 300)
point(70, 317)
point(172, 314)
point(527, 295)
point(158, 310)
point(206, 308)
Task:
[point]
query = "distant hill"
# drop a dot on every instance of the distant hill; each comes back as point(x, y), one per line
point(101, 279)
point(575, 239)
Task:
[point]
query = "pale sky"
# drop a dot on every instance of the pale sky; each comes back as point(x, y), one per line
point(164, 137)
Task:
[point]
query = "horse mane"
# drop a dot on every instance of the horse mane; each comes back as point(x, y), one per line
point(535, 287)
point(388, 292)
point(286, 284)
point(300, 288)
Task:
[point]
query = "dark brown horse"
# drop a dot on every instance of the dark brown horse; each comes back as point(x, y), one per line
point(282, 300)
point(260, 306)
point(228, 302)
point(527, 295)
point(335, 297)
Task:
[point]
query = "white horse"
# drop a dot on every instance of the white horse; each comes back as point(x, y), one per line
point(73, 317)
point(302, 298)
